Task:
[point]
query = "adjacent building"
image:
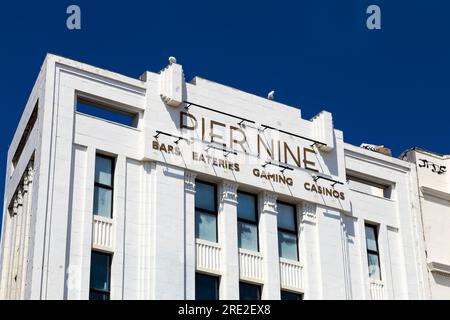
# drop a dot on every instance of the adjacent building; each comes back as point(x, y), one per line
point(434, 194)
point(159, 188)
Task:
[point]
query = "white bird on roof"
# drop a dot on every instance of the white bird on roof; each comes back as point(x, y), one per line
point(172, 60)
point(271, 95)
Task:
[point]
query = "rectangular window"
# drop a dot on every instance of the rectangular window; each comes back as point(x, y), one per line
point(104, 186)
point(373, 255)
point(107, 112)
point(287, 231)
point(369, 187)
point(247, 221)
point(100, 276)
point(288, 295)
point(206, 287)
point(249, 291)
point(205, 211)
point(25, 135)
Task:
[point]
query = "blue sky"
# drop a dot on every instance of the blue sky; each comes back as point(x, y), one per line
point(388, 86)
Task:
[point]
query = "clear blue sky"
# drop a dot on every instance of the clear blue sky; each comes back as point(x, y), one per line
point(386, 87)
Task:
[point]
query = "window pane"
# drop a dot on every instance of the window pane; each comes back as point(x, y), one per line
point(249, 291)
point(248, 236)
point(205, 196)
point(205, 226)
point(371, 239)
point(103, 171)
point(287, 245)
point(246, 207)
point(374, 266)
point(286, 295)
point(95, 295)
point(107, 113)
point(206, 287)
point(286, 216)
point(100, 265)
point(102, 202)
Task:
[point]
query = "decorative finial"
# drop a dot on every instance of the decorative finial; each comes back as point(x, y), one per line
point(172, 60)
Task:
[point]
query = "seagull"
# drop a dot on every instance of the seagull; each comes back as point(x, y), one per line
point(271, 95)
point(172, 60)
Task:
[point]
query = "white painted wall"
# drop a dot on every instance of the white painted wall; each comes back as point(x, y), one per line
point(434, 193)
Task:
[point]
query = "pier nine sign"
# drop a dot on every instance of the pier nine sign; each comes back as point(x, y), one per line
point(268, 159)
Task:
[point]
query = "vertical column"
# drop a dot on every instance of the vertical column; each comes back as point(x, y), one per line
point(229, 286)
point(22, 235)
point(146, 231)
point(14, 285)
point(29, 184)
point(13, 248)
point(268, 233)
point(87, 226)
point(309, 251)
point(189, 234)
point(331, 253)
point(119, 218)
point(364, 267)
point(80, 194)
point(385, 262)
point(10, 256)
point(26, 258)
point(6, 254)
point(168, 243)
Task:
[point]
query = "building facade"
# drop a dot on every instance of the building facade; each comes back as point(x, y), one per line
point(434, 194)
point(158, 188)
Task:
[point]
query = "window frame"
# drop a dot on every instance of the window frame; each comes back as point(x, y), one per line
point(290, 231)
point(95, 290)
point(207, 211)
point(298, 294)
point(112, 107)
point(370, 251)
point(256, 285)
point(257, 218)
point(104, 186)
point(217, 280)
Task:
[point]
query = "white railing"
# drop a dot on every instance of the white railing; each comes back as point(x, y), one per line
point(250, 265)
point(376, 289)
point(102, 237)
point(208, 256)
point(291, 274)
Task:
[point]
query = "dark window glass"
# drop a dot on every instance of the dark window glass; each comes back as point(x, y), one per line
point(373, 255)
point(100, 276)
point(103, 186)
point(206, 287)
point(107, 113)
point(287, 295)
point(249, 291)
point(287, 231)
point(205, 196)
point(247, 221)
point(25, 135)
point(205, 211)
point(286, 217)
point(246, 208)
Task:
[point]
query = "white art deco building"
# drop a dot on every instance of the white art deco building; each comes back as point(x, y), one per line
point(157, 188)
